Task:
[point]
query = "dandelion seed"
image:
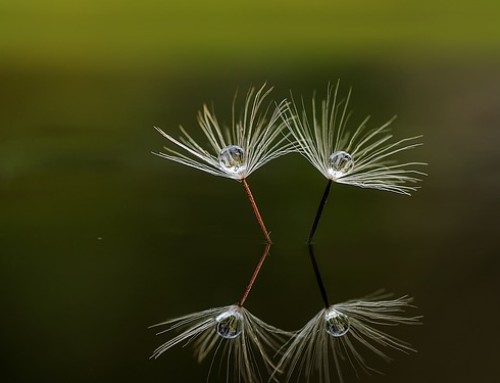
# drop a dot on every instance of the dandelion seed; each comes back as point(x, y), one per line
point(337, 334)
point(254, 138)
point(362, 157)
point(243, 341)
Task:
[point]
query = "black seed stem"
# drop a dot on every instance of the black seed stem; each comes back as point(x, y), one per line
point(321, 206)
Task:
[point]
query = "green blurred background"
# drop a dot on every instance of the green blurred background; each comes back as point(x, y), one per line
point(99, 238)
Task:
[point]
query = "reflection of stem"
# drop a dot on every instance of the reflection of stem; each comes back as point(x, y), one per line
point(256, 211)
point(255, 273)
point(317, 274)
point(319, 211)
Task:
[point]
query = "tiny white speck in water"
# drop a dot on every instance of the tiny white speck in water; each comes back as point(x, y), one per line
point(337, 324)
point(231, 159)
point(340, 163)
point(229, 324)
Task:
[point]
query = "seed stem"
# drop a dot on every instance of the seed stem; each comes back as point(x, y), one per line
point(321, 206)
point(255, 274)
point(317, 274)
point(256, 211)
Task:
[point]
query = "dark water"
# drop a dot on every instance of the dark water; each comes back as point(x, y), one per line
point(100, 239)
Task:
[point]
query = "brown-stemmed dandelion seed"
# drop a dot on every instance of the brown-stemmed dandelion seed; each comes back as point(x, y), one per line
point(339, 332)
point(254, 138)
point(362, 157)
point(244, 341)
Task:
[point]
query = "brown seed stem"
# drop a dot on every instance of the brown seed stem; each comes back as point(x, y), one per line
point(256, 211)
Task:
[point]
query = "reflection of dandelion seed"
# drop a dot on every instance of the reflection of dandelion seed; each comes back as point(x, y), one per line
point(336, 333)
point(243, 341)
point(361, 158)
point(236, 152)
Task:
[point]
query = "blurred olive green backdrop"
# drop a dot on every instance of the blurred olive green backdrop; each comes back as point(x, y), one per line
point(100, 239)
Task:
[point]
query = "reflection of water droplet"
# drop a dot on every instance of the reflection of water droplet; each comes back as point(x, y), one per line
point(341, 163)
point(229, 324)
point(231, 159)
point(337, 324)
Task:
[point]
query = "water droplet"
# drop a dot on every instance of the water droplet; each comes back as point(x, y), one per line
point(229, 324)
point(341, 163)
point(337, 324)
point(231, 159)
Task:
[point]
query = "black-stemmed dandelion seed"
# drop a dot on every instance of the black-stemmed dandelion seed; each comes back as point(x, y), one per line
point(362, 157)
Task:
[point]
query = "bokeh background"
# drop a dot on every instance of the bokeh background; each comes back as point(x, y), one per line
point(100, 239)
